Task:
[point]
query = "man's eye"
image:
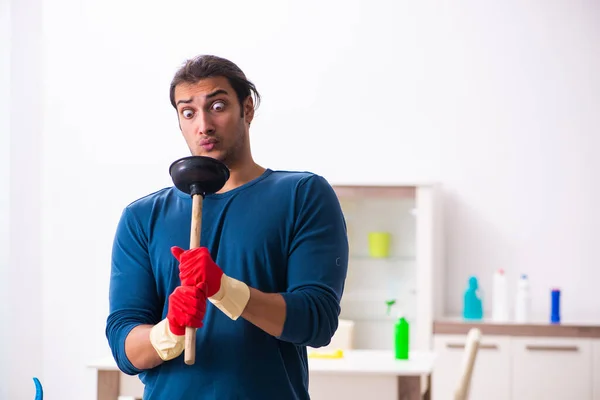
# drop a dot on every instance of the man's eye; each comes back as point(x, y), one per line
point(218, 106)
point(187, 113)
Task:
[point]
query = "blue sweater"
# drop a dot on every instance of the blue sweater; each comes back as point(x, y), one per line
point(283, 232)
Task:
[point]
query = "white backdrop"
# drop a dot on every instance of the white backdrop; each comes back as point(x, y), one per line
point(21, 275)
point(5, 303)
point(498, 102)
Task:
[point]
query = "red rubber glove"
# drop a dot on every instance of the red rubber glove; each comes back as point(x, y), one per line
point(197, 267)
point(187, 306)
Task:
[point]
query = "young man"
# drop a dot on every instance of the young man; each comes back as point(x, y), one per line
point(266, 281)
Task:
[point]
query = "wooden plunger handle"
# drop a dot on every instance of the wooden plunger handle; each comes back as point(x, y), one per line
point(190, 332)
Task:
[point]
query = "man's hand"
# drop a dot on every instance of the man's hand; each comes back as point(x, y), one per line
point(187, 306)
point(198, 268)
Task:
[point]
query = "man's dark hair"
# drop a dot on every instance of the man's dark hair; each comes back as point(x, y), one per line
point(206, 66)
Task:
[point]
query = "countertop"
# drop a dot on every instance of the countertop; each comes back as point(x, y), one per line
point(576, 329)
point(370, 362)
point(379, 362)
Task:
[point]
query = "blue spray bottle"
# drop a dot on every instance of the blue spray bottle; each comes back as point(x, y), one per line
point(472, 308)
point(555, 306)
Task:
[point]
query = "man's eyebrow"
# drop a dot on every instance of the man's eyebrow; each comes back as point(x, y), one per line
point(216, 93)
point(208, 96)
point(184, 101)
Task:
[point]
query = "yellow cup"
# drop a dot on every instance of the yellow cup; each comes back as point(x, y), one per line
point(379, 244)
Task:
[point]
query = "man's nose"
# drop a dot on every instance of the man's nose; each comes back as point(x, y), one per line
point(205, 125)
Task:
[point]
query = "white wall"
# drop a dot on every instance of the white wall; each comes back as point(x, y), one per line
point(516, 103)
point(5, 28)
point(493, 101)
point(20, 155)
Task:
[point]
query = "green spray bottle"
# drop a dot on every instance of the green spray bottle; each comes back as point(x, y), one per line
point(402, 338)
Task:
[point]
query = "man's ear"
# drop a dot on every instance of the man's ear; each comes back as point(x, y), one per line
point(248, 109)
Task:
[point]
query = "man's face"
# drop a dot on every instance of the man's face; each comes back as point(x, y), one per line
point(211, 120)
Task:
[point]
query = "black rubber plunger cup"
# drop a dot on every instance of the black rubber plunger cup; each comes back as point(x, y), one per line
point(197, 176)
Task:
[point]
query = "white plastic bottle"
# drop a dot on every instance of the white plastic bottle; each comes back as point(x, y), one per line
point(523, 300)
point(500, 297)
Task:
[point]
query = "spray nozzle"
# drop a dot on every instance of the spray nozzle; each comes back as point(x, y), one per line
point(389, 304)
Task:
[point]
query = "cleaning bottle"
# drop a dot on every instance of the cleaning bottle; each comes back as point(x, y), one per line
point(523, 300)
point(472, 306)
point(402, 338)
point(555, 306)
point(500, 297)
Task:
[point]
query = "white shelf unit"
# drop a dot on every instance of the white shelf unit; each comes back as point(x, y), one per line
point(521, 367)
point(412, 273)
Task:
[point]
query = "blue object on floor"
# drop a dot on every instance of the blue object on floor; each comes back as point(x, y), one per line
point(39, 392)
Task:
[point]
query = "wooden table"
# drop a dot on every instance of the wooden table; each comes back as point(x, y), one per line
point(360, 374)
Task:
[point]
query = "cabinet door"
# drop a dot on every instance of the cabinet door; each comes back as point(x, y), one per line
point(596, 368)
point(491, 374)
point(551, 368)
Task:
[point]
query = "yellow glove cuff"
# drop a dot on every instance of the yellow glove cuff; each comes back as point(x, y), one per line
point(166, 344)
point(232, 297)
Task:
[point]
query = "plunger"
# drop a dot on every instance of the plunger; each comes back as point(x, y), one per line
point(197, 176)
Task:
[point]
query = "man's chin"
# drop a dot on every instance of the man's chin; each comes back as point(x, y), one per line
point(203, 153)
point(216, 154)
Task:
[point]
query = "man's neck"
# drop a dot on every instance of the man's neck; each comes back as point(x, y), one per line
point(241, 175)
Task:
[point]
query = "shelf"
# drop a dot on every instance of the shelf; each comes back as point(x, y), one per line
point(362, 192)
point(372, 305)
point(373, 296)
point(365, 257)
point(376, 313)
point(411, 215)
point(384, 319)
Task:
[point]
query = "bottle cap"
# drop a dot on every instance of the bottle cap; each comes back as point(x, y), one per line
point(473, 283)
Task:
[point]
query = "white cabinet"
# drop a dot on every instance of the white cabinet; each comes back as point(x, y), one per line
point(520, 368)
point(491, 376)
point(551, 368)
point(596, 369)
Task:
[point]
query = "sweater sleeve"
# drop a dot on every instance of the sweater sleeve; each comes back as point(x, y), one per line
point(317, 265)
point(133, 299)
